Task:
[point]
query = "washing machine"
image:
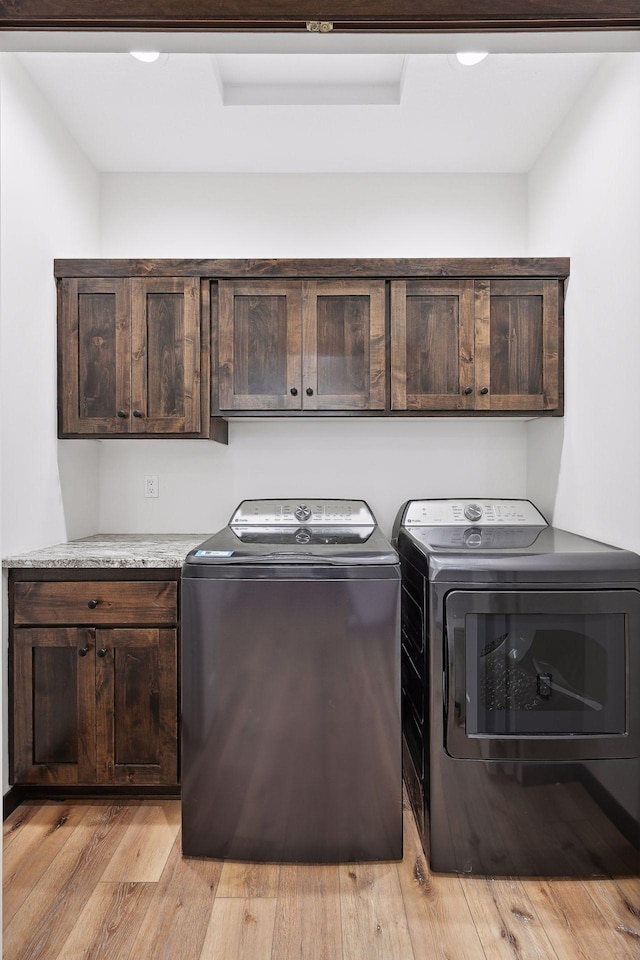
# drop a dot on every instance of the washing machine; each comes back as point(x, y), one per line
point(520, 691)
point(291, 736)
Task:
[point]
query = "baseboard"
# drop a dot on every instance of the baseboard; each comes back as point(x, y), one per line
point(11, 801)
point(22, 792)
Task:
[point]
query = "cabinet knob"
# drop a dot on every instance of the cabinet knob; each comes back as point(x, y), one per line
point(122, 414)
point(137, 413)
point(484, 390)
point(83, 651)
point(102, 652)
point(468, 390)
point(92, 604)
point(309, 392)
point(294, 391)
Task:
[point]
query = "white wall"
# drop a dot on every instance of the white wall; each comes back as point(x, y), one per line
point(209, 215)
point(50, 207)
point(50, 203)
point(584, 201)
point(383, 462)
point(313, 215)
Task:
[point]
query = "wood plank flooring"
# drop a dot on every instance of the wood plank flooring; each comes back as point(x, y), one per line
point(105, 880)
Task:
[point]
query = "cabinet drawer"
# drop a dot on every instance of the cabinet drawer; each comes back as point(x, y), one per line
point(96, 602)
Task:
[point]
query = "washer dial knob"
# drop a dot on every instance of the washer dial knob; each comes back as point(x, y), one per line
point(473, 511)
point(473, 537)
point(302, 512)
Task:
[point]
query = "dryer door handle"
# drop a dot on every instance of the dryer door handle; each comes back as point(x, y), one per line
point(445, 678)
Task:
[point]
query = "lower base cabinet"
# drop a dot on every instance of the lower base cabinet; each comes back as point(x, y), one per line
point(94, 703)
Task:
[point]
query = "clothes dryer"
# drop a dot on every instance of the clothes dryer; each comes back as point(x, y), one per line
point(520, 691)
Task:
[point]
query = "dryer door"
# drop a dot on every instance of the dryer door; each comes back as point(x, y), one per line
point(542, 675)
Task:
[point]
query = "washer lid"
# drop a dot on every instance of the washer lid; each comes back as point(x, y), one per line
point(298, 531)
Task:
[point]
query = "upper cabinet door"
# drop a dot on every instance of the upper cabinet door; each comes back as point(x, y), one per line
point(517, 345)
point(343, 344)
point(259, 344)
point(165, 359)
point(432, 345)
point(94, 350)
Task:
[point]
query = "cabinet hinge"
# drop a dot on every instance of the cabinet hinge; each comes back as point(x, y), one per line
point(319, 26)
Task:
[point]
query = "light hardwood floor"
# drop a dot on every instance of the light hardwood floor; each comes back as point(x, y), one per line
point(106, 880)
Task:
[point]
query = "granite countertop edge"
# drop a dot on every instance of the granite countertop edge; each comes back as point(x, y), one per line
point(111, 551)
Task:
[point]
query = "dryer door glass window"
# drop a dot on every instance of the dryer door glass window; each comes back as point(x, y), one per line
point(545, 674)
point(526, 671)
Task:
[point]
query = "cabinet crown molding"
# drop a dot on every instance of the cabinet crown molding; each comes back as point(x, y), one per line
point(396, 268)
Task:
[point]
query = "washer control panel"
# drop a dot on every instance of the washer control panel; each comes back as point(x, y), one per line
point(276, 513)
point(433, 513)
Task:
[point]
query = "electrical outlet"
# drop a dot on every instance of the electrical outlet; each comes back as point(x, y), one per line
point(151, 488)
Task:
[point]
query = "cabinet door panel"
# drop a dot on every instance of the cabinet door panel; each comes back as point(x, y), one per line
point(432, 345)
point(259, 324)
point(94, 352)
point(53, 701)
point(517, 344)
point(136, 686)
point(165, 369)
point(55, 715)
point(344, 344)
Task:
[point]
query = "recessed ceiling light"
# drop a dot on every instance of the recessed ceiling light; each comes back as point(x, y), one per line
point(469, 58)
point(146, 56)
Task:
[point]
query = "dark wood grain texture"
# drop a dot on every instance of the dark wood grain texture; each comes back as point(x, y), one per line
point(517, 345)
point(287, 338)
point(166, 348)
point(93, 351)
point(136, 706)
point(352, 15)
point(432, 350)
point(476, 346)
point(131, 353)
point(94, 702)
point(117, 602)
point(259, 345)
point(343, 345)
point(319, 268)
point(53, 704)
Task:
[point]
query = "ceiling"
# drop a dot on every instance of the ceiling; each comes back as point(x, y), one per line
point(324, 112)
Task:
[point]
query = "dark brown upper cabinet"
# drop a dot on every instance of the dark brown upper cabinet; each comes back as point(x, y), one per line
point(174, 348)
point(476, 345)
point(312, 345)
point(130, 357)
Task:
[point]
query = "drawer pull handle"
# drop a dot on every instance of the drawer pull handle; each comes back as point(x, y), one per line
point(103, 652)
point(92, 604)
point(484, 391)
point(468, 390)
point(83, 651)
point(137, 413)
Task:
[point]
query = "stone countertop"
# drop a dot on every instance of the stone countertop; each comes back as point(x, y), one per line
point(112, 550)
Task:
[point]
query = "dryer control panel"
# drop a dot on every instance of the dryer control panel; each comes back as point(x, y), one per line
point(480, 513)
